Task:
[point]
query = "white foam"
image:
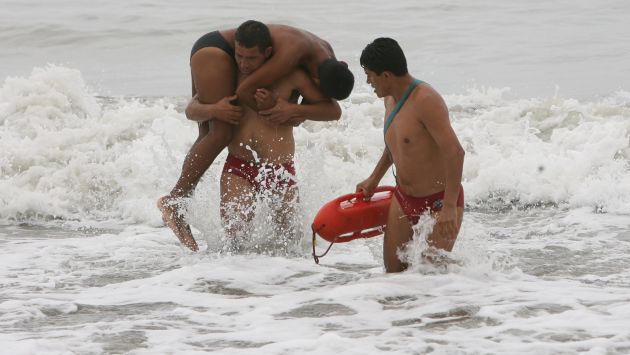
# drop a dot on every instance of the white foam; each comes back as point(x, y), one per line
point(138, 285)
point(70, 155)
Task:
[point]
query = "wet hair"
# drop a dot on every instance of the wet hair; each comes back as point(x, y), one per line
point(335, 79)
point(253, 33)
point(384, 54)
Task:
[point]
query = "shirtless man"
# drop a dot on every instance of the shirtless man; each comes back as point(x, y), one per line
point(424, 149)
point(213, 72)
point(260, 159)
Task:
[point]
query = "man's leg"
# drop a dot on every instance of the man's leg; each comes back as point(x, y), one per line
point(238, 198)
point(397, 233)
point(213, 75)
point(285, 214)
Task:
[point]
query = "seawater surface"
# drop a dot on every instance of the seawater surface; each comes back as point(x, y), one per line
point(537, 94)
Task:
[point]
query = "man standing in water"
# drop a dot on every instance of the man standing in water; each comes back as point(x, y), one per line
point(260, 159)
point(424, 149)
point(214, 82)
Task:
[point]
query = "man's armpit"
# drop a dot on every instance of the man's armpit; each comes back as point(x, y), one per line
point(295, 96)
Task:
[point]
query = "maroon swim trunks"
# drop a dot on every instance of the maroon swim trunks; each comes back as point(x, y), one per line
point(414, 207)
point(261, 176)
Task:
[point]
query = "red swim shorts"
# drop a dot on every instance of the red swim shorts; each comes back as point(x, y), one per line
point(261, 176)
point(414, 207)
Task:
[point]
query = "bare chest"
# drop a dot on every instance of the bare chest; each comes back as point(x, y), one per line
point(407, 137)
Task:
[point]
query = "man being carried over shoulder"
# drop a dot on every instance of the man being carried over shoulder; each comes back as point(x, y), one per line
point(424, 149)
point(213, 72)
point(260, 159)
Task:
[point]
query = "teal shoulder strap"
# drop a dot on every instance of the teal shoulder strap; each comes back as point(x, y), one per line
point(400, 104)
point(397, 108)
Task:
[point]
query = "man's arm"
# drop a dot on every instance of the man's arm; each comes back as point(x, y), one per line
point(435, 119)
point(319, 108)
point(279, 65)
point(222, 110)
point(196, 111)
point(368, 185)
point(384, 163)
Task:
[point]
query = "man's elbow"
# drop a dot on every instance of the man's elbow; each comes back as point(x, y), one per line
point(336, 112)
point(454, 152)
point(459, 153)
point(188, 112)
point(244, 91)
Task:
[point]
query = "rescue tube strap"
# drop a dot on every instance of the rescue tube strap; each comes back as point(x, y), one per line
point(400, 104)
point(315, 256)
point(394, 112)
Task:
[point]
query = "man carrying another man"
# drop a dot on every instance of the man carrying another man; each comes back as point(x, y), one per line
point(260, 160)
point(213, 70)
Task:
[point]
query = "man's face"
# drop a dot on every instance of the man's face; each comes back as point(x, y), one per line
point(376, 81)
point(250, 59)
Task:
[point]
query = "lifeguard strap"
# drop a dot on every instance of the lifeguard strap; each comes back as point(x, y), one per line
point(315, 256)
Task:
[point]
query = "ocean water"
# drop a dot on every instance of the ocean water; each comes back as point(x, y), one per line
point(92, 133)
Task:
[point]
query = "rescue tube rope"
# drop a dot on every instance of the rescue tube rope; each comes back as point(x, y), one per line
point(315, 256)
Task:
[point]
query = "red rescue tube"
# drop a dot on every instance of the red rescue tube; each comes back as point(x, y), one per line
point(350, 217)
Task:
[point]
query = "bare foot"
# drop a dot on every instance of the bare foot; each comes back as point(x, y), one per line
point(174, 219)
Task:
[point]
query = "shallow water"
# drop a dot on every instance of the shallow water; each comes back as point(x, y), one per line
point(547, 281)
point(537, 94)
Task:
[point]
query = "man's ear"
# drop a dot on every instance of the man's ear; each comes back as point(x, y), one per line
point(268, 51)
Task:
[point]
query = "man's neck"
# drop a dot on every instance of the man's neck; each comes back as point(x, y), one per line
point(400, 85)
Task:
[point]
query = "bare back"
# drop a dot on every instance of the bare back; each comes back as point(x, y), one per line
point(292, 48)
point(305, 48)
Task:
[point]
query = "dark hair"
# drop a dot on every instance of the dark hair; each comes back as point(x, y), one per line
point(335, 79)
point(253, 33)
point(384, 54)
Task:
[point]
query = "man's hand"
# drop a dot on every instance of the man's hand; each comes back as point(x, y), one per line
point(367, 186)
point(278, 114)
point(225, 111)
point(265, 99)
point(446, 225)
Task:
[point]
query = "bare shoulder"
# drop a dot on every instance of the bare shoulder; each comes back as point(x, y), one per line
point(298, 75)
point(429, 103)
point(288, 39)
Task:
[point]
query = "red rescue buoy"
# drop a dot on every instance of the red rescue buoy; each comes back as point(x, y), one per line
point(350, 217)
